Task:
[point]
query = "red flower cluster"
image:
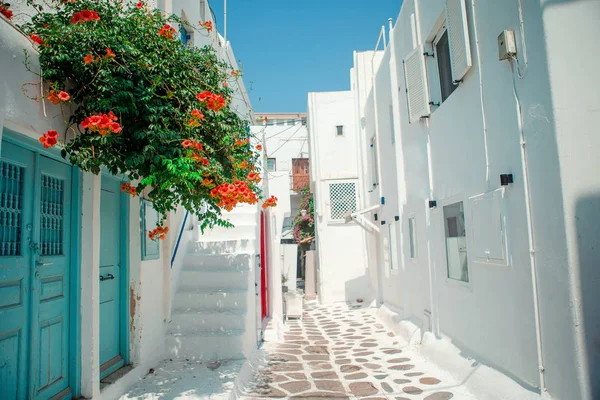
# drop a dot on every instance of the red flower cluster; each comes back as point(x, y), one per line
point(102, 123)
point(167, 31)
point(85, 16)
point(254, 177)
point(36, 39)
point(109, 53)
point(270, 202)
point(239, 142)
point(159, 233)
point(88, 59)
point(208, 25)
point(127, 188)
point(197, 147)
point(5, 11)
point(57, 98)
point(139, 4)
point(259, 147)
point(49, 138)
point(213, 101)
point(229, 195)
point(198, 115)
point(192, 143)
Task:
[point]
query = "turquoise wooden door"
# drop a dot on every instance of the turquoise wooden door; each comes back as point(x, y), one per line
point(111, 293)
point(35, 216)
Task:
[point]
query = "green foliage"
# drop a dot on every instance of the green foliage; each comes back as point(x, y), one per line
point(151, 85)
point(304, 225)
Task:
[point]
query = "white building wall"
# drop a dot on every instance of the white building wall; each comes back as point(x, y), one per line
point(342, 274)
point(458, 154)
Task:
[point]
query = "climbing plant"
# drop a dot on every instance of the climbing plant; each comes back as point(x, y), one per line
point(304, 222)
point(144, 106)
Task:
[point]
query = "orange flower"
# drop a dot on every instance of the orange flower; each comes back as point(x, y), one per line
point(159, 232)
point(109, 53)
point(85, 16)
point(215, 103)
point(259, 147)
point(187, 143)
point(167, 31)
point(64, 96)
point(243, 165)
point(270, 202)
point(203, 96)
point(139, 4)
point(36, 39)
point(207, 25)
point(6, 12)
point(193, 123)
point(49, 138)
point(198, 114)
point(207, 182)
point(53, 97)
point(102, 124)
point(88, 59)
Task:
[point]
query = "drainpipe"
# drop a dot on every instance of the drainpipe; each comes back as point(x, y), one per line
point(530, 232)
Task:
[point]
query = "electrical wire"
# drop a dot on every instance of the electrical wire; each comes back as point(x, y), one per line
point(287, 140)
point(279, 133)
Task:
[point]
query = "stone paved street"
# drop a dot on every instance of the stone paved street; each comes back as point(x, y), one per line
point(343, 352)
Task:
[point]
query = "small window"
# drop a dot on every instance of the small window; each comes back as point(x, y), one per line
point(271, 164)
point(442, 50)
point(342, 199)
point(339, 130)
point(412, 235)
point(456, 242)
point(148, 221)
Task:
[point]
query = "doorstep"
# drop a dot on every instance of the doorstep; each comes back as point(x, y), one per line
point(115, 376)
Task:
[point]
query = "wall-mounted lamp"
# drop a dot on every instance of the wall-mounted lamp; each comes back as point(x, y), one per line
point(383, 201)
point(432, 204)
point(505, 179)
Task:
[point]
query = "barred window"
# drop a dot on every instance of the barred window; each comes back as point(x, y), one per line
point(342, 198)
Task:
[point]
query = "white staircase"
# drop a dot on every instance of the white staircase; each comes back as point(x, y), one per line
point(213, 309)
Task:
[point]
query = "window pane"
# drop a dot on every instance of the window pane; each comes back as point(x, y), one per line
point(442, 50)
point(340, 130)
point(270, 164)
point(456, 242)
point(412, 237)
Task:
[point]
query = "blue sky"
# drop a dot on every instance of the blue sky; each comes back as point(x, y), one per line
point(289, 48)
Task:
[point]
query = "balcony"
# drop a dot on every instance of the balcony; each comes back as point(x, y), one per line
point(300, 174)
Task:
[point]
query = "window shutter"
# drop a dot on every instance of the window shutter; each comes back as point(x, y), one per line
point(148, 221)
point(416, 85)
point(458, 38)
point(342, 199)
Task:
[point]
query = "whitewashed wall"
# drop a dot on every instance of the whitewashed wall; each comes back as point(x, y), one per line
point(451, 157)
point(342, 275)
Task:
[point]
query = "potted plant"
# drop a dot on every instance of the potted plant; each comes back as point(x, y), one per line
point(284, 287)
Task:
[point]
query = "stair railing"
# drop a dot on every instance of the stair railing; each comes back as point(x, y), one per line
point(183, 225)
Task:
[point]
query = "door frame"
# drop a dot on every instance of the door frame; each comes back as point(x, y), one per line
point(124, 252)
point(29, 143)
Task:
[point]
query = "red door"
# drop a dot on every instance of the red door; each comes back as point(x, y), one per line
point(264, 266)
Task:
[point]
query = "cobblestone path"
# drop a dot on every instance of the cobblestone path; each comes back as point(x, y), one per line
point(343, 352)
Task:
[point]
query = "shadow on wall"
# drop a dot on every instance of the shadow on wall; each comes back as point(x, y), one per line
point(359, 288)
point(587, 221)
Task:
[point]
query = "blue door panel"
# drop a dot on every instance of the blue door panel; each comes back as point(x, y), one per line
point(35, 215)
point(110, 276)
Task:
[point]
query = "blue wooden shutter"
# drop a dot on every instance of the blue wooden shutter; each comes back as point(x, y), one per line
point(148, 221)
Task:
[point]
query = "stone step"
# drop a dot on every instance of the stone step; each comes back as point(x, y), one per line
point(222, 262)
point(219, 233)
point(212, 280)
point(236, 246)
point(192, 323)
point(208, 345)
point(199, 300)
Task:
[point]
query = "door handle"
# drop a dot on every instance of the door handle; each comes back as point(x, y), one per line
point(107, 277)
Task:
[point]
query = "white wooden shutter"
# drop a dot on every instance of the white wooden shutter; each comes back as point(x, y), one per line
point(458, 38)
point(416, 85)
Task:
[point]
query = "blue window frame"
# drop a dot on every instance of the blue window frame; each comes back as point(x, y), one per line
point(148, 221)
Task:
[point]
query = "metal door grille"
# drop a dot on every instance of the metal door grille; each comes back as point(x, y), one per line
point(11, 205)
point(51, 216)
point(342, 198)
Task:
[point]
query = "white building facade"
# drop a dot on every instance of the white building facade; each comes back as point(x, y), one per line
point(142, 282)
point(480, 154)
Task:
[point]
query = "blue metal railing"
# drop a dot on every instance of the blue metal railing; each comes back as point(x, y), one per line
point(183, 225)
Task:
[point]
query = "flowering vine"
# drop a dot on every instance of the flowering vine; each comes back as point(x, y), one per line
point(304, 222)
point(145, 107)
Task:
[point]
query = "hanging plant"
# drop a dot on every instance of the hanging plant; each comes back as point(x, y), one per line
point(304, 222)
point(145, 107)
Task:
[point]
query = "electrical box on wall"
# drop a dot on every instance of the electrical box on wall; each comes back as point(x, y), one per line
point(507, 47)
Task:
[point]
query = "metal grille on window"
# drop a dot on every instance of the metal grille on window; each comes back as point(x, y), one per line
point(342, 197)
point(51, 216)
point(11, 205)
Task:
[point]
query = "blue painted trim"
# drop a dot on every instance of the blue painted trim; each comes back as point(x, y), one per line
point(146, 255)
point(76, 222)
point(31, 144)
point(125, 251)
point(179, 238)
